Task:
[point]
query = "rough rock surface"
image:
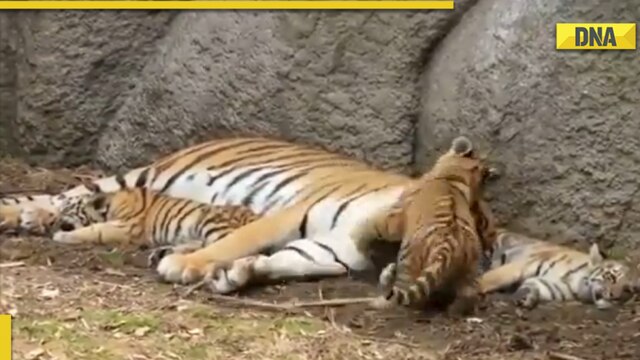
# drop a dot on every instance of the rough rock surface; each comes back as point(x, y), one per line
point(563, 123)
point(72, 71)
point(123, 87)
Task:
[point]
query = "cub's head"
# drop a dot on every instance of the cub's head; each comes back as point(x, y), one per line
point(461, 164)
point(610, 281)
point(82, 210)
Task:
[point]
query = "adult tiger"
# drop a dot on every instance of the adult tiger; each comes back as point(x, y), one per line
point(544, 272)
point(316, 207)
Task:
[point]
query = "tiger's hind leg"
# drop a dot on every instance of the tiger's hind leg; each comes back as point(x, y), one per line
point(299, 259)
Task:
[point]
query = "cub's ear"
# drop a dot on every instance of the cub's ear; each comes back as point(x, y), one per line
point(595, 255)
point(91, 186)
point(462, 146)
point(99, 201)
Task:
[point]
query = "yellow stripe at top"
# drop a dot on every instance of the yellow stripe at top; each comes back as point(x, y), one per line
point(230, 5)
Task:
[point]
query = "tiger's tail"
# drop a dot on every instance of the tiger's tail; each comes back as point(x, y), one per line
point(406, 290)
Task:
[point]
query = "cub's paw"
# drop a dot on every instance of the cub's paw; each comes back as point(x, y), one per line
point(387, 276)
point(526, 297)
point(183, 268)
point(35, 220)
point(233, 276)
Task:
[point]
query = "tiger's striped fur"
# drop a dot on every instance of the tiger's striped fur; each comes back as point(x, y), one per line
point(140, 216)
point(316, 208)
point(543, 271)
point(443, 239)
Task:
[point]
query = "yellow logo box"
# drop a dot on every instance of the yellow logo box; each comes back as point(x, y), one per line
point(5, 337)
point(596, 36)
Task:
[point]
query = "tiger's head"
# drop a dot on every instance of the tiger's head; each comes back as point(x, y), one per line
point(462, 164)
point(82, 210)
point(610, 281)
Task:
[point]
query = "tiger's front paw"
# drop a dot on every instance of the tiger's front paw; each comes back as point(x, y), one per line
point(381, 303)
point(64, 237)
point(183, 268)
point(527, 297)
point(159, 253)
point(387, 276)
point(231, 277)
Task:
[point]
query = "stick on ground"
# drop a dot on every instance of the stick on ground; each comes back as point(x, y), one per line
point(291, 305)
point(560, 356)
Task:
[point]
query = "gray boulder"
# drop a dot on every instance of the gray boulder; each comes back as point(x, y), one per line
point(122, 88)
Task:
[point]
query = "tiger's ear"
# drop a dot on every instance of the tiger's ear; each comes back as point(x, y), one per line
point(462, 146)
point(99, 201)
point(91, 186)
point(595, 255)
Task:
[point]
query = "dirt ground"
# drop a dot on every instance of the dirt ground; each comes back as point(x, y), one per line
point(98, 303)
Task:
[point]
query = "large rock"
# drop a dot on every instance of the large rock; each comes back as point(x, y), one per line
point(343, 80)
point(563, 123)
point(73, 71)
point(125, 87)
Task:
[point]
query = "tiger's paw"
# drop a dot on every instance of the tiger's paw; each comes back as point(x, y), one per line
point(183, 268)
point(387, 276)
point(381, 303)
point(159, 253)
point(231, 277)
point(64, 237)
point(35, 220)
point(526, 297)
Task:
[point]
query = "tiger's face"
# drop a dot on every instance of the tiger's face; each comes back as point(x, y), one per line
point(611, 282)
point(80, 211)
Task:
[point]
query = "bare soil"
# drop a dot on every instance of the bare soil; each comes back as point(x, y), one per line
point(99, 303)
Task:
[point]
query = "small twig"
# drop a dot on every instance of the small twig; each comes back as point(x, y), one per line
point(249, 302)
point(560, 356)
point(387, 341)
point(11, 264)
point(333, 302)
point(194, 287)
point(290, 305)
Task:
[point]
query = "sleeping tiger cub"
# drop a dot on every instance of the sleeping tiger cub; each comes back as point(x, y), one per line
point(445, 229)
point(544, 271)
point(140, 216)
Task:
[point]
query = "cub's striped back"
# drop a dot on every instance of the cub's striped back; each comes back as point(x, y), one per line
point(543, 271)
point(443, 239)
point(145, 217)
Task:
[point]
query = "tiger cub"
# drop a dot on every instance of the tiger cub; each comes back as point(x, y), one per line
point(446, 227)
point(143, 217)
point(544, 271)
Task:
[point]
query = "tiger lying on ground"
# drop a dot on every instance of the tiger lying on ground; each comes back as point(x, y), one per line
point(316, 208)
point(544, 271)
point(140, 216)
point(442, 237)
